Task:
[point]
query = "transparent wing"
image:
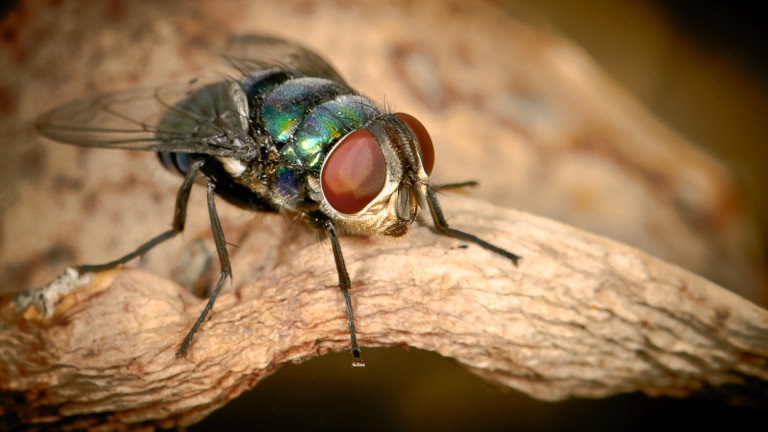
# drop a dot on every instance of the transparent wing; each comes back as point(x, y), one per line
point(208, 116)
point(254, 52)
point(201, 116)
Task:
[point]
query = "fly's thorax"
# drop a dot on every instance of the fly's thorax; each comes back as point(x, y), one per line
point(303, 117)
point(369, 181)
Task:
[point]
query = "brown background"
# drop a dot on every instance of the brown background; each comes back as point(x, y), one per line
point(692, 68)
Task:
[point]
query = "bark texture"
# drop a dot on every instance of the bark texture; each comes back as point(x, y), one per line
point(581, 316)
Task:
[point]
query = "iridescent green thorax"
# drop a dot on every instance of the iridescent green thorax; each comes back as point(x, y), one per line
point(328, 122)
point(286, 105)
point(307, 115)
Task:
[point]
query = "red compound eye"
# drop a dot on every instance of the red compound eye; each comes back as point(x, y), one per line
point(423, 138)
point(354, 173)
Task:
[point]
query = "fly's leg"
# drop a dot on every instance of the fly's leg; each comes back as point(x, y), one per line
point(447, 186)
point(345, 285)
point(226, 269)
point(442, 226)
point(73, 277)
point(177, 226)
point(322, 222)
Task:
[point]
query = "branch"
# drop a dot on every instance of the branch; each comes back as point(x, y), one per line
point(581, 316)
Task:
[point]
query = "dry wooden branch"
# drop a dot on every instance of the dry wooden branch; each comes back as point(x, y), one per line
point(522, 109)
point(581, 316)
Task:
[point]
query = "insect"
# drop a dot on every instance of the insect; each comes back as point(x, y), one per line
point(282, 133)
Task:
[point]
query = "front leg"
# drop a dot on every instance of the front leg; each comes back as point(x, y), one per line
point(323, 222)
point(428, 194)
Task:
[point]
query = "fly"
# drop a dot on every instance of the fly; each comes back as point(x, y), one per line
point(284, 133)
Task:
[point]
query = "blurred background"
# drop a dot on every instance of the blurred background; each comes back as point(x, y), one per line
point(700, 67)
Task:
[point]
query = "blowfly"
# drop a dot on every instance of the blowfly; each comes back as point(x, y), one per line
point(282, 132)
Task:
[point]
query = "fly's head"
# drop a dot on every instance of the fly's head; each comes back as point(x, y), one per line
point(375, 177)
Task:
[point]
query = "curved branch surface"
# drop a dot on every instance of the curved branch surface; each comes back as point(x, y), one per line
point(581, 316)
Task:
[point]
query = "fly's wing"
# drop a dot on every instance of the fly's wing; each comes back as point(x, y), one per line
point(201, 116)
point(249, 53)
point(206, 116)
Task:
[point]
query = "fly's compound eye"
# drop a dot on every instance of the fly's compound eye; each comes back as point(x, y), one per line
point(422, 138)
point(354, 173)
